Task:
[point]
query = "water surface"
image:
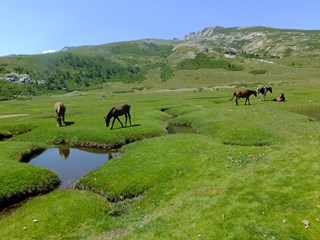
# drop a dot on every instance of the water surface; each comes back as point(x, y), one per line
point(71, 163)
point(176, 129)
point(313, 114)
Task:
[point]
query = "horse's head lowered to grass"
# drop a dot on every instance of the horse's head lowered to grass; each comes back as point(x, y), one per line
point(60, 109)
point(115, 112)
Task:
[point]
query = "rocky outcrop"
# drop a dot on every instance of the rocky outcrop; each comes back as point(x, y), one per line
point(18, 78)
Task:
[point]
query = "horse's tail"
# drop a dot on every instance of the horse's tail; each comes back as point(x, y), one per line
point(59, 108)
point(63, 109)
point(234, 94)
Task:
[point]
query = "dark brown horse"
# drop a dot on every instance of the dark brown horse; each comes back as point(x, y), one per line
point(244, 94)
point(280, 98)
point(115, 112)
point(60, 109)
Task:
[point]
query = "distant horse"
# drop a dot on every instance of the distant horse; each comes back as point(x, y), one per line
point(244, 94)
point(262, 92)
point(60, 109)
point(115, 112)
point(280, 98)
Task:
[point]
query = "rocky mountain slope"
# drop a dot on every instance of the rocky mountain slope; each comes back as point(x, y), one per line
point(258, 40)
point(84, 67)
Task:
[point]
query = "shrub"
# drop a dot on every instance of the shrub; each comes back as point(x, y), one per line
point(258, 71)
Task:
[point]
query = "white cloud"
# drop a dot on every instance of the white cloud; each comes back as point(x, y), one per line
point(49, 51)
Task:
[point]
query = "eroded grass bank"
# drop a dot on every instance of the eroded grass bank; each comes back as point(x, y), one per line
point(37, 131)
point(249, 172)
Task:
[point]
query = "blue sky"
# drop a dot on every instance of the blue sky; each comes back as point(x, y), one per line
point(34, 26)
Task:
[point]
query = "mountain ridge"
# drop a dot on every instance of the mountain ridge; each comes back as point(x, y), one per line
point(89, 66)
point(267, 41)
point(262, 40)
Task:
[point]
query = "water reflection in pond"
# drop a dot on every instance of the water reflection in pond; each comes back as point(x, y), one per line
point(71, 163)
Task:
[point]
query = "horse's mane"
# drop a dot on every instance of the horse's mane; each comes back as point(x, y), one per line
point(109, 115)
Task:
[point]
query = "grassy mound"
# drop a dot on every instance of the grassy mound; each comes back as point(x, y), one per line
point(58, 215)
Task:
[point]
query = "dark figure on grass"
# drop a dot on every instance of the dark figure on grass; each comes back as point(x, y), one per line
point(115, 112)
point(280, 98)
point(244, 94)
point(262, 92)
point(60, 109)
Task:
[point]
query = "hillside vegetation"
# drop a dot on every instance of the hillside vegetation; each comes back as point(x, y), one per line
point(165, 63)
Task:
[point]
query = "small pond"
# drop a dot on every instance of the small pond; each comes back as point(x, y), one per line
point(71, 163)
point(176, 129)
point(312, 114)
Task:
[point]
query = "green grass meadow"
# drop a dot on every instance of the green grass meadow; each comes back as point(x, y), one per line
point(247, 172)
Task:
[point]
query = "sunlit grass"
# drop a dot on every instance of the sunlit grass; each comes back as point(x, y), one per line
point(249, 172)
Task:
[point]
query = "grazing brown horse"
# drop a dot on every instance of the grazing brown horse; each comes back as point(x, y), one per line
point(60, 109)
point(244, 94)
point(115, 112)
point(280, 98)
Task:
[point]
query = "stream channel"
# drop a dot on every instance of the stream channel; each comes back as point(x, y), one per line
point(72, 163)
